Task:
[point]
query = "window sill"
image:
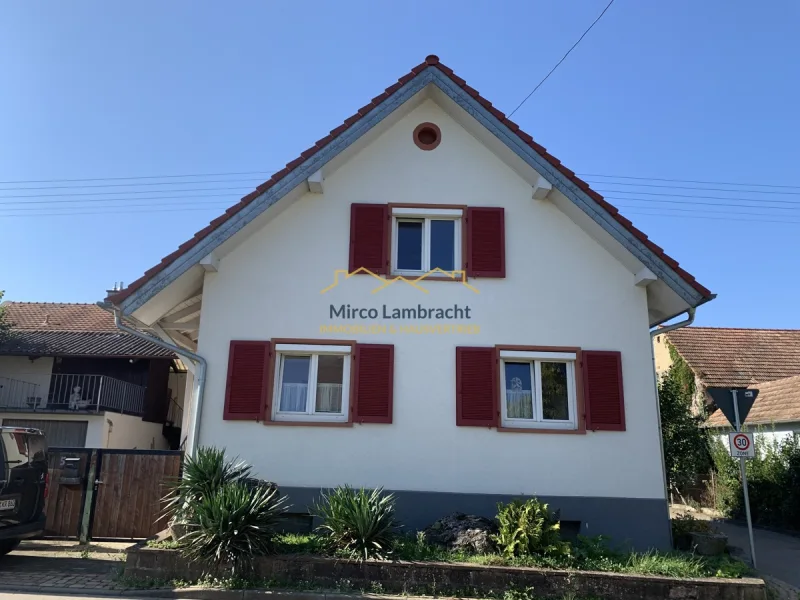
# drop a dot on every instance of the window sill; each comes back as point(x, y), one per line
point(310, 423)
point(579, 431)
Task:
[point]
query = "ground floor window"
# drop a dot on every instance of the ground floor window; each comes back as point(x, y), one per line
point(312, 383)
point(538, 389)
point(59, 434)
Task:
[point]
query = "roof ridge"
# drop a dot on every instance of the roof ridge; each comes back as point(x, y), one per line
point(695, 327)
point(431, 61)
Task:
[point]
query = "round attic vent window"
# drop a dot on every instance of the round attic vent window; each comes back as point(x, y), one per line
point(427, 136)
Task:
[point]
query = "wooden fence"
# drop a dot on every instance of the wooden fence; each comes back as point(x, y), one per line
point(108, 494)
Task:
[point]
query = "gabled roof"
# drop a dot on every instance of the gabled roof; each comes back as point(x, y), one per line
point(778, 402)
point(61, 329)
point(724, 357)
point(435, 69)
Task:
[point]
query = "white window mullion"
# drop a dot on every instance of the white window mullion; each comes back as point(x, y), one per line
point(571, 395)
point(426, 246)
point(458, 264)
point(276, 393)
point(311, 396)
point(395, 228)
point(346, 386)
point(503, 395)
point(538, 410)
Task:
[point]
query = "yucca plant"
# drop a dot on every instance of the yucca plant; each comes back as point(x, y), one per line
point(359, 523)
point(529, 529)
point(202, 476)
point(232, 525)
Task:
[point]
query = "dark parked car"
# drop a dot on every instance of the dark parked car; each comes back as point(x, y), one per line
point(23, 485)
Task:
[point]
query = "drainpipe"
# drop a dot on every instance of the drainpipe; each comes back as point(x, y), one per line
point(200, 374)
point(654, 332)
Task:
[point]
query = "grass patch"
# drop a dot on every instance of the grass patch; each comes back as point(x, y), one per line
point(587, 554)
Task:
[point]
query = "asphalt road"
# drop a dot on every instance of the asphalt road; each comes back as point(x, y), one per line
point(777, 554)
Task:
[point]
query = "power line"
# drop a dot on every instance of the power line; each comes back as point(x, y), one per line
point(563, 58)
point(107, 185)
point(703, 211)
point(690, 187)
point(122, 212)
point(140, 177)
point(771, 185)
point(212, 189)
point(102, 209)
point(661, 215)
point(795, 202)
point(26, 202)
point(697, 203)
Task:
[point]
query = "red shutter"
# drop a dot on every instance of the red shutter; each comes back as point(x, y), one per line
point(369, 237)
point(246, 390)
point(374, 384)
point(476, 387)
point(486, 242)
point(602, 390)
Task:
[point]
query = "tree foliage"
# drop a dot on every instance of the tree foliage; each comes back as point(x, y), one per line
point(5, 326)
point(686, 444)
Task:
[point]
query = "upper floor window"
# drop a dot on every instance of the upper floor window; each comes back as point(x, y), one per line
point(312, 382)
point(537, 389)
point(424, 239)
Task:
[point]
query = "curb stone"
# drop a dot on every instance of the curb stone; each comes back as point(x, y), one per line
point(199, 593)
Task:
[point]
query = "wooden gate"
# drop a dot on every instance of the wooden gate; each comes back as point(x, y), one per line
point(130, 486)
point(108, 493)
point(69, 474)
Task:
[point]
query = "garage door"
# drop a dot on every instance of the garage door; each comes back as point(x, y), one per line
point(60, 434)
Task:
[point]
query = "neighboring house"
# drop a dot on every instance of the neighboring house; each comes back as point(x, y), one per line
point(764, 359)
point(66, 369)
point(428, 301)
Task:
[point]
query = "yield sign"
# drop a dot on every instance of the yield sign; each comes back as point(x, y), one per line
point(723, 398)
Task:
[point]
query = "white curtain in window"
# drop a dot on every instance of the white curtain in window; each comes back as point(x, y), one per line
point(519, 404)
point(293, 397)
point(329, 397)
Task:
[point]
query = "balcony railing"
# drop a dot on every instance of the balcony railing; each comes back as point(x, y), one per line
point(76, 393)
point(14, 392)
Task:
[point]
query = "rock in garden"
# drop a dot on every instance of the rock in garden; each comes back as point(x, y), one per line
point(458, 531)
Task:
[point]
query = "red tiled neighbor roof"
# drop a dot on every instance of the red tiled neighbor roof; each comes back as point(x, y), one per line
point(724, 357)
point(430, 61)
point(58, 329)
point(56, 316)
point(777, 402)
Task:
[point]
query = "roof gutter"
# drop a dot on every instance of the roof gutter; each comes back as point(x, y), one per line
point(200, 375)
point(653, 333)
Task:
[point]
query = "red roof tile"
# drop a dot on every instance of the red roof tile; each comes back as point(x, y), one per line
point(724, 357)
point(777, 402)
point(432, 61)
point(58, 316)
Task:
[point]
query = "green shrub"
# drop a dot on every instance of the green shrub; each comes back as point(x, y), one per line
point(773, 478)
point(232, 525)
point(358, 523)
point(682, 528)
point(528, 529)
point(203, 475)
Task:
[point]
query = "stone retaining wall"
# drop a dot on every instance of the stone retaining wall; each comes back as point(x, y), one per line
point(452, 579)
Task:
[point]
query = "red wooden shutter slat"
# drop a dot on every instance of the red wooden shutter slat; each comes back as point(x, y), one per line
point(486, 242)
point(602, 389)
point(374, 385)
point(369, 234)
point(246, 389)
point(476, 387)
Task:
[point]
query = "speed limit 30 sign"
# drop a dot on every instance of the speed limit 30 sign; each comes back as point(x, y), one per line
point(741, 445)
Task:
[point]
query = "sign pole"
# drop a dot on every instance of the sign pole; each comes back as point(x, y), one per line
point(743, 470)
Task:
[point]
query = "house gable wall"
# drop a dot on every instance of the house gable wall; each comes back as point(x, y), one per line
point(561, 289)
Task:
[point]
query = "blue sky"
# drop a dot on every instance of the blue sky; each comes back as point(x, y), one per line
point(679, 90)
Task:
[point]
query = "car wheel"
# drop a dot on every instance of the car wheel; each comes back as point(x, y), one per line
point(7, 546)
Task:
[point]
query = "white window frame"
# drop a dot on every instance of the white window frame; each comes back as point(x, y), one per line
point(535, 360)
point(426, 215)
point(314, 351)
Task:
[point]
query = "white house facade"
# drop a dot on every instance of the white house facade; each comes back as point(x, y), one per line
point(428, 309)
